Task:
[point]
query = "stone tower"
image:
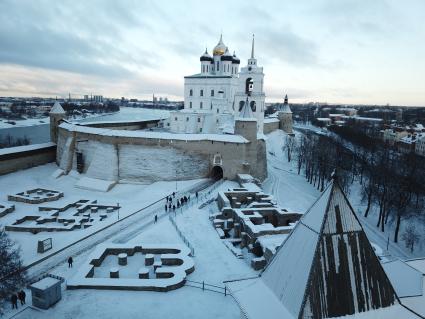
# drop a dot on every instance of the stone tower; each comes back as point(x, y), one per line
point(254, 153)
point(57, 113)
point(285, 117)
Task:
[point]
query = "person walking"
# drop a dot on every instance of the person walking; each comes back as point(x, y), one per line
point(156, 219)
point(14, 300)
point(21, 296)
point(174, 194)
point(70, 261)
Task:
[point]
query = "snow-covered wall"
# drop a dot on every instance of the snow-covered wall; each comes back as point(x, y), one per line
point(22, 157)
point(149, 164)
point(144, 156)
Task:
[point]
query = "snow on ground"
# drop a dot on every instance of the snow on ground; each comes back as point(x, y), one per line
point(23, 123)
point(131, 197)
point(290, 190)
point(213, 264)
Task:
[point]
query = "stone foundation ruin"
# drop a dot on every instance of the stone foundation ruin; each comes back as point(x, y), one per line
point(142, 267)
point(78, 215)
point(250, 219)
point(36, 196)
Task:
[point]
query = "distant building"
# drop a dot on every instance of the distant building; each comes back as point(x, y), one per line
point(98, 98)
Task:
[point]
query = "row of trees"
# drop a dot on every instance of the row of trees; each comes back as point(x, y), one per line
point(10, 141)
point(92, 107)
point(390, 181)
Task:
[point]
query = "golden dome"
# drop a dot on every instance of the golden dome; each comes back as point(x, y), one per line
point(220, 48)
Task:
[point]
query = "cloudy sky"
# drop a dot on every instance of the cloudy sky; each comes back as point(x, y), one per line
point(349, 51)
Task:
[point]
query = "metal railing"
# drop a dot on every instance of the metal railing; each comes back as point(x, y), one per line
point(181, 235)
point(205, 286)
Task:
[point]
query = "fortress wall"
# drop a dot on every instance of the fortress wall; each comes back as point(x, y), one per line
point(270, 125)
point(22, 157)
point(147, 159)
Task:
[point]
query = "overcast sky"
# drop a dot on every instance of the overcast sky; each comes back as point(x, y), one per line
point(349, 51)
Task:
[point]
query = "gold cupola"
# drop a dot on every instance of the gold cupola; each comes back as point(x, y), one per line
point(220, 48)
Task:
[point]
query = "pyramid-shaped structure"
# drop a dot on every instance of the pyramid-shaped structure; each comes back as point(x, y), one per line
point(284, 108)
point(326, 267)
point(57, 109)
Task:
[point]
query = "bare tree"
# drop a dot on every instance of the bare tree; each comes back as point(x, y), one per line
point(290, 146)
point(12, 277)
point(410, 237)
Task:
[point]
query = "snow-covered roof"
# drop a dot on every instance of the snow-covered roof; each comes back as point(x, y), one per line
point(270, 120)
point(407, 281)
point(155, 135)
point(326, 253)
point(25, 148)
point(57, 109)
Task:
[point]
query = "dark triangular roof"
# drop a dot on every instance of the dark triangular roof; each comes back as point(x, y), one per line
point(327, 267)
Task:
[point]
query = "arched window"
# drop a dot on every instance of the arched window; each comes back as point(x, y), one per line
point(201, 93)
point(191, 92)
point(212, 92)
point(190, 104)
point(200, 105)
point(241, 104)
point(249, 86)
point(253, 106)
point(218, 66)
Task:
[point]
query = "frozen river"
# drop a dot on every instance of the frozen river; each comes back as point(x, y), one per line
point(41, 133)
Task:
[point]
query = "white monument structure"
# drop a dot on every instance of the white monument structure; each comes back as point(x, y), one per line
point(216, 95)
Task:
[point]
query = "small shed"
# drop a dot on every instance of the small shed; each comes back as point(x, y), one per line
point(46, 292)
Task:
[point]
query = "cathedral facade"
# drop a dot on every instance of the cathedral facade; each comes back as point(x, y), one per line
point(214, 97)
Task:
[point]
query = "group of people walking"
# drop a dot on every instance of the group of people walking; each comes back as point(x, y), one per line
point(19, 296)
point(171, 204)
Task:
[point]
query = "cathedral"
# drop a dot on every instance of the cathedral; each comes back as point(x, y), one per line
point(214, 97)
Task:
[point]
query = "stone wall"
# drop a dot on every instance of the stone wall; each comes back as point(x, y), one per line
point(270, 125)
point(22, 157)
point(151, 159)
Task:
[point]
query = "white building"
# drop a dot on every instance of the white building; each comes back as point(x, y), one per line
point(214, 96)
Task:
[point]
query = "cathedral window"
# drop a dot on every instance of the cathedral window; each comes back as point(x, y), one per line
point(218, 66)
point(187, 119)
point(191, 92)
point(200, 105)
point(218, 111)
point(200, 130)
point(199, 120)
point(253, 106)
point(201, 93)
point(212, 92)
point(175, 118)
point(241, 104)
point(190, 104)
point(249, 86)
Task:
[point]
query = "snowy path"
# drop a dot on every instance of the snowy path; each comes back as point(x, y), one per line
point(125, 229)
point(290, 190)
point(214, 261)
